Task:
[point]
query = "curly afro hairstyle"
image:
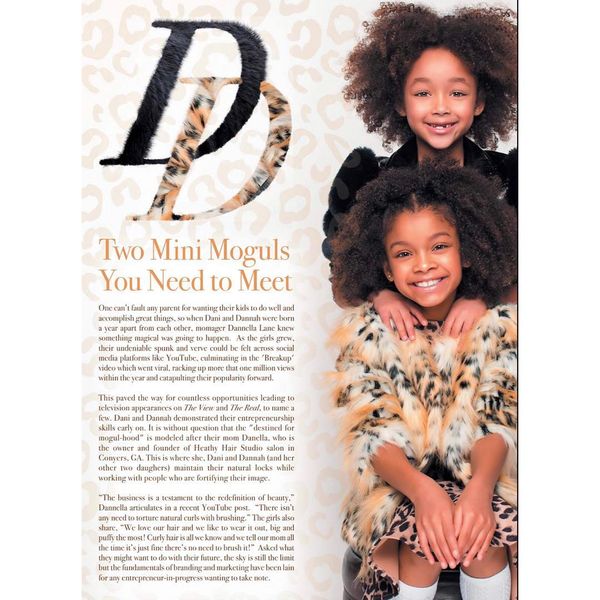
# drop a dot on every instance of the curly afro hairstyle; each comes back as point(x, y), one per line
point(485, 223)
point(484, 38)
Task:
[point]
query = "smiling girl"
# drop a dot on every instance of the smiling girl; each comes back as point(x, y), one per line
point(429, 425)
point(432, 82)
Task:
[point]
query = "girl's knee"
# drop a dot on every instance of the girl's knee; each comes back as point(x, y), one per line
point(494, 561)
point(415, 570)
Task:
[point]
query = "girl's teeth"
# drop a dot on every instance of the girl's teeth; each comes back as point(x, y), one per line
point(428, 283)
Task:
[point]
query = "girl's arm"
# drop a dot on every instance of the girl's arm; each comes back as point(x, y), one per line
point(433, 507)
point(487, 458)
point(493, 454)
point(474, 522)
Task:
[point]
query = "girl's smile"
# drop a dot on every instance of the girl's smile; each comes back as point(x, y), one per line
point(442, 128)
point(429, 284)
point(423, 260)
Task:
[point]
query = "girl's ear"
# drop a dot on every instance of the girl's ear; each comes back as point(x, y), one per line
point(400, 109)
point(465, 263)
point(387, 271)
point(480, 105)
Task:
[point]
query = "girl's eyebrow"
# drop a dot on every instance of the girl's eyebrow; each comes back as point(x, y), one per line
point(435, 235)
point(427, 80)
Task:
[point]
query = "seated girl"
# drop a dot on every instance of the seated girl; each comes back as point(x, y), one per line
point(429, 425)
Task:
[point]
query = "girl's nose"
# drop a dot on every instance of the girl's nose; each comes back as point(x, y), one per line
point(441, 105)
point(423, 264)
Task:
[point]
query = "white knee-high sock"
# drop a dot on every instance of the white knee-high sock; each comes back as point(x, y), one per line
point(409, 592)
point(496, 587)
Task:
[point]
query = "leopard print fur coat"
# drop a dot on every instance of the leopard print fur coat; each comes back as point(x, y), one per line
point(432, 397)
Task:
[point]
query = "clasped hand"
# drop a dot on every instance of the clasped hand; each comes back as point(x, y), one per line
point(454, 533)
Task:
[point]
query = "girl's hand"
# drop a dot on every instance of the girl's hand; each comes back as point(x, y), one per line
point(462, 316)
point(391, 306)
point(434, 511)
point(474, 523)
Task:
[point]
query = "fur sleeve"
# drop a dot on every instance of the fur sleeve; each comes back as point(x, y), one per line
point(366, 393)
point(496, 399)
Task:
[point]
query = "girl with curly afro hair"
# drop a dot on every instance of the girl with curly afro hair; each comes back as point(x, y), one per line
point(429, 426)
point(381, 69)
point(472, 205)
point(430, 81)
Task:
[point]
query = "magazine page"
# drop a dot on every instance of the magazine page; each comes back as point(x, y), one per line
point(212, 133)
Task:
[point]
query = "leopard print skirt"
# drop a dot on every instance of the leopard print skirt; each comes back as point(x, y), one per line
point(382, 580)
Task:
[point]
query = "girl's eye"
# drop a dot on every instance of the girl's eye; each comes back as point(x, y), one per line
point(402, 254)
point(458, 94)
point(440, 246)
point(421, 94)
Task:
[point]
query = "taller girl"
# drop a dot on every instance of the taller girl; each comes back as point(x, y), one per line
point(446, 87)
point(468, 60)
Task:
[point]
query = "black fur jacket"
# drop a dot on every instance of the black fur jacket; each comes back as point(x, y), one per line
point(361, 166)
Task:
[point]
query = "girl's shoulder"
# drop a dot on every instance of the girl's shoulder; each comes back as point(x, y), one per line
point(405, 156)
point(505, 164)
point(502, 313)
point(501, 163)
point(492, 163)
point(360, 322)
point(498, 324)
point(361, 332)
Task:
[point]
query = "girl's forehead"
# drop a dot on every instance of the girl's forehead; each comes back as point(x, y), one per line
point(439, 62)
point(422, 218)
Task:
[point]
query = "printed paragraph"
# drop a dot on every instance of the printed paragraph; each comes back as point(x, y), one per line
point(195, 538)
point(219, 343)
point(195, 438)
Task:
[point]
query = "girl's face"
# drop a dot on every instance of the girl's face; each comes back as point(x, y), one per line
point(423, 260)
point(440, 102)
